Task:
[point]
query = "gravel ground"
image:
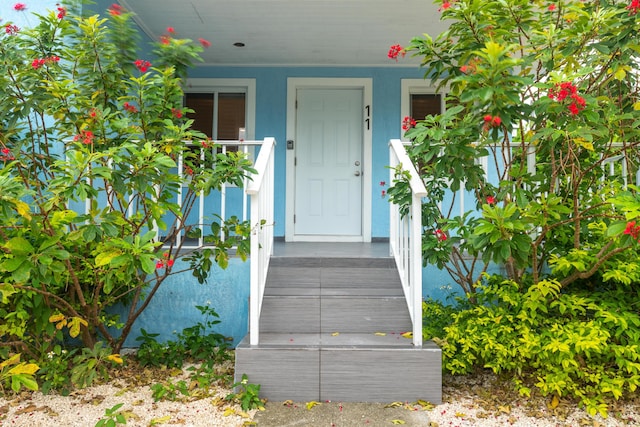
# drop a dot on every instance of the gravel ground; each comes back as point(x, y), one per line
point(480, 400)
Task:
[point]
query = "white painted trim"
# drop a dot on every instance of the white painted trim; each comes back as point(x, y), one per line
point(366, 84)
point(416, 86)
point(204, 85)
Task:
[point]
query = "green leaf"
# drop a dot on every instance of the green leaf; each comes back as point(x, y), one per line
point(19, 246)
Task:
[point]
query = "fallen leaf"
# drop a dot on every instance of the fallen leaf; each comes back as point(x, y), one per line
point(394, 405)
point(312, 404)
point(288, 403)
point(433, 424)
point(380, 334)
point(335, 334)
point(228, 411)
point(161, 420)
point(249, 423)
point(554, 402)
point(407, 334)
point(397, 422)
point(505, 409)
point(460, 415)
point(427, 406)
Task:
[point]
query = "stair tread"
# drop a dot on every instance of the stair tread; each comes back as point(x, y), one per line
point(380, 340)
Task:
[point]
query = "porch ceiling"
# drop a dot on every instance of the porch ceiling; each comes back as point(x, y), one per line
point(293, 32)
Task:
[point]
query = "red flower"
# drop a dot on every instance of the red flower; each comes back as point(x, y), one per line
point(382, 183)
point(188, 170)
point(383, 193)
point(62, 12)
point(130, 108)
point(491, 122)
point(176, 113)
point(491, 200)
point(496, 121)
point(440, 235)
point(5, 154)
point(86, 136)
point(164, 39)
point(487, 118)
point(573, 109)
point(562, 91)
point(396, 50)
point(11, 29)
point(159, 265)
point(142, 65)
point(170, 263)
point(632, 230)
point(445, 5)
point(634, 7)
point(204, 42)
point(551, 7)
point(115, 10)
point(20, 7)
point(408, 123)
point(171, 30)
point(93, 114)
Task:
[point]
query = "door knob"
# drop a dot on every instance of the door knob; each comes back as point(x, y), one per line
point(357, 163)
point(357, 173)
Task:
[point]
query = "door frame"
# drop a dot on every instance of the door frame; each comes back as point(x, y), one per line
point(366, 85)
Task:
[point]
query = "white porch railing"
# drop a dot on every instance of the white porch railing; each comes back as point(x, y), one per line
point(260, 189)
point(405, 237)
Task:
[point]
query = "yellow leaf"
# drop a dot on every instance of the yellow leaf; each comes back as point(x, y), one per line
point(243, 414)
point(168, 149)
point(581, 142)
point(161, 420)
point(24, 368)
point(249, 423)
point(380, 334)
point(115, 358)
point(425, 405)
point(74, 326)
point(505, 409)
point(397, 422)
point(55, 318)
point(287, 403)
point(335, 334)
point(460, 415)
point(408, 335)
point(10, 361)
point(23, 209)
point(61, 324)
point(394, 405)
point(636, 106)
point(554, 402)
point(228, 411)
point(311, 404)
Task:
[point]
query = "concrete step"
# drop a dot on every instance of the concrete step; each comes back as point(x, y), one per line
point(346, 367)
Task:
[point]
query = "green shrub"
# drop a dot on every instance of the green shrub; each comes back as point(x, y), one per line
point(582, 344)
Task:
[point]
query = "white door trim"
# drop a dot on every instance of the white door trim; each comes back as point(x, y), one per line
point(295, 83)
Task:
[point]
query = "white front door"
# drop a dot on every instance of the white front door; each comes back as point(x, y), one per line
point(328, 163)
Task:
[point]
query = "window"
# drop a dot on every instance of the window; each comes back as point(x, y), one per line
point(419, 99)
point(219, 115)
point(221, 108)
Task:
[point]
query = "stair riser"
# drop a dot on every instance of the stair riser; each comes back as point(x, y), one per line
point(334, 314)
point(348, 375)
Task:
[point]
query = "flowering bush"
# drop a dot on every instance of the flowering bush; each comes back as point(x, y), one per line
point(549, 96)
point(89, 180)
point(541, 132)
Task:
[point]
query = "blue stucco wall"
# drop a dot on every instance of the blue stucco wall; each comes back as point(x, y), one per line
point(173, 308)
